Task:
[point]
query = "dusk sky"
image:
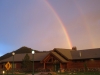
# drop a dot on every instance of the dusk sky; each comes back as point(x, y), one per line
point(48, 24)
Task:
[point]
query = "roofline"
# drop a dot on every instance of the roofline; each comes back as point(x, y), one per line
point(58, 58)
point(61, 54)
point(89, 49)
point(45, 57)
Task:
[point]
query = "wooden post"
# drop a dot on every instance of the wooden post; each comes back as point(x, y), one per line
point(60, 68)
point(60, 65)
point(44, 65)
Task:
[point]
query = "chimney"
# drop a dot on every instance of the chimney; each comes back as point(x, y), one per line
point(74, 48)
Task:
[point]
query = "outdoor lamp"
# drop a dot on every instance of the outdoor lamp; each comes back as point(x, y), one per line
point(33, 52)
point(13, 53)
point(3, 72)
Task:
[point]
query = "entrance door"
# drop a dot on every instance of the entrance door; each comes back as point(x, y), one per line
point(57, 66)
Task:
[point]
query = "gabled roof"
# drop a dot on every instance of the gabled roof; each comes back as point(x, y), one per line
point(18, 57)
point(61, 54)
point(64, 52)
point(59, 57)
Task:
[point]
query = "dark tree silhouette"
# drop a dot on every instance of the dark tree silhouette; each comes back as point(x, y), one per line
point(26, 63)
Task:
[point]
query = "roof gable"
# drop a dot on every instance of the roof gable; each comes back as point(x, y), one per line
point(64, 52)
point(54, 56)
point(59, 57)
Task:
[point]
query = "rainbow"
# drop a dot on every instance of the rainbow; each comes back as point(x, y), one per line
point(61, 23)
point(86, 25)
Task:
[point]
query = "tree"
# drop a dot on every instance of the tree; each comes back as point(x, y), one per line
point(26, 62)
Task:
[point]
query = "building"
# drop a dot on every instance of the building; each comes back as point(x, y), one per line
point(73, 59)
point(59, 59)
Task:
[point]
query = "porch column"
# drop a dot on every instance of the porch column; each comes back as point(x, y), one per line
point(60, 65)
point(44, 65)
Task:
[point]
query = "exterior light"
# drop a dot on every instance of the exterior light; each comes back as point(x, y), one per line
point(3, 72)
point(33, 52)
point(13, 53)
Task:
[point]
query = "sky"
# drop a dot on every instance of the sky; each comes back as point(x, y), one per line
point(48, 24)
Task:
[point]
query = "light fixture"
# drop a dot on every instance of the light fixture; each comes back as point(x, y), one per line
point(3, 72)
point(13, 53)
point(33, 52)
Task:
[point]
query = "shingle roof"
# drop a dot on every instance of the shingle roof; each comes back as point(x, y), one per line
point(61, 54)
point(79, 54)
point(18, 51)
point(19, 57)
point(40, 56)
point(59, 57)
point(86, 54)
point(64, 52)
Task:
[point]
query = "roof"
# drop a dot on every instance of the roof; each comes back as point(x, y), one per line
point(18, 51)
point(19, 57)
point(59, 57)
point(78, 54)
point(86, 54)
point(64, 52)
point(40, 56)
